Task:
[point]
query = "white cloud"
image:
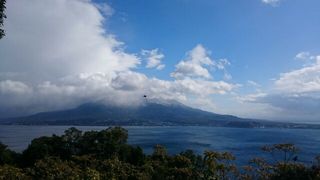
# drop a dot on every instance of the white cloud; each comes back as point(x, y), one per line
point(51, 39)
point(198, 63)
point(251, 97)
point(13, 87)
point(154, 58)
point(161, 66)
point(204, 87)
point(222, 63)
point(253, 83)
point(57, 55)
point(129, 81)
point(194, 65)
point(295, 94)
point(271, 2)
point(190, 69)
point(303, 80)
point(303, 55)
point(105, 9)
point(292, 107)
point(123, 88)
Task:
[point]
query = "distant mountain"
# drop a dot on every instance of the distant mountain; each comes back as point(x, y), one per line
point(153, 113)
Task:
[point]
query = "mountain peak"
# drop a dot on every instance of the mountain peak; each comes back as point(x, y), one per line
point(164, 102)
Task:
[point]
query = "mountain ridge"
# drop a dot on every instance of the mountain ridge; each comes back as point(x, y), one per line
point(150, 113)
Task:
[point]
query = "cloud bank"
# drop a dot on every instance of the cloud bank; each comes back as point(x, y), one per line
point(295, 94)
point(58, 54)
point(58, 38)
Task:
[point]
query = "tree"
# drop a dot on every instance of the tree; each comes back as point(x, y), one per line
point(258, 168)
point(181, 168)
point(44, 147)
point(218, 165)
point(284, 165)
point(72, 136)
point(103, 144)
point(132, 155)
point(282, 152)
point(159, 152)
point(2, 16)
point(6, 155)
point(159, 162)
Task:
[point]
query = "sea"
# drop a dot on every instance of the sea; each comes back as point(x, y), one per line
point(244, 143)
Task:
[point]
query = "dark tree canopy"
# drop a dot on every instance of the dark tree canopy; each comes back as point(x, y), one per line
point(2, 16)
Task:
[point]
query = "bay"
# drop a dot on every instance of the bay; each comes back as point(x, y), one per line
point(244, 143)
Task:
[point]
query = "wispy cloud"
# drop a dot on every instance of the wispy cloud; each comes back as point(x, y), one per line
point(253, 83)
point(271, 2)
point(154, 58)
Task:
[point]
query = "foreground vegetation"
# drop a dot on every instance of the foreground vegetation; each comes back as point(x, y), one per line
point(106, 155)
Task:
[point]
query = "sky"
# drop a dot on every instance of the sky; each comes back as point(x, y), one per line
point(250, 58)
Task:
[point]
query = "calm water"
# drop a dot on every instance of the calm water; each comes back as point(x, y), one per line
point(244, 143)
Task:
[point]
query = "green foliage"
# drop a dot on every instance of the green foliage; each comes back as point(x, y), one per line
point(103, 144)
point(8, 172)
point(181, 167)
point(258, 168)
point(44, 147)
point(55, 168)
point(159, 153)
point(218, 165)
point(132, 155)
point(71, 137)
point(282, 152)
point(293, 171)
point(106, 155)
point(7, 156)
point(284, 166)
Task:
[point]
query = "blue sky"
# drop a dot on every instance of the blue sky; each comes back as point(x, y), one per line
point(250, 58)
point(258, 39)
